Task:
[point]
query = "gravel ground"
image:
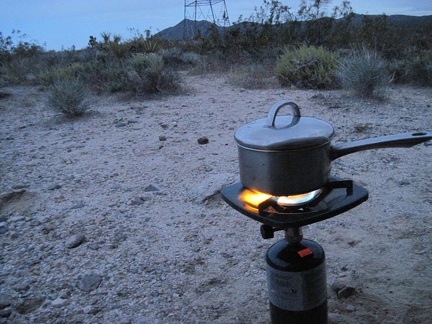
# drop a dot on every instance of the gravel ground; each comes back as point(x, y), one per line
point(117, 217)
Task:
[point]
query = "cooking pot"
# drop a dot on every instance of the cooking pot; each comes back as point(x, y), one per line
point(292, 154)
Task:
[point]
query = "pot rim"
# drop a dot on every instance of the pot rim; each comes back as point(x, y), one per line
point(328, 143)
point(284, 133)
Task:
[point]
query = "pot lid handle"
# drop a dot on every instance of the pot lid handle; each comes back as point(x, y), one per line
point(271, 118)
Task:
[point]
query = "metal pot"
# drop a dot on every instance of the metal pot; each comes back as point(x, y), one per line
point(292, 154)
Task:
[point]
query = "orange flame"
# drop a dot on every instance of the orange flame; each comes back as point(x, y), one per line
point(252, 198)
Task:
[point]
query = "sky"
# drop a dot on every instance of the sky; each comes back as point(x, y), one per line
point(63, 24)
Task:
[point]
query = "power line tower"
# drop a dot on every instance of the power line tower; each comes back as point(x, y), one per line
point(214, 11)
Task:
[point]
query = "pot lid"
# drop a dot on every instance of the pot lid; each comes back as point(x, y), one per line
point(284, 132)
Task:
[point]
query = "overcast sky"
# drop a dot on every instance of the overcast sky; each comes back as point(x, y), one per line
point(57, 24)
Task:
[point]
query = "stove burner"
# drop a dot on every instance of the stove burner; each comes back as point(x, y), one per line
point(298, 200)
point(335, 198)
point(254, 199)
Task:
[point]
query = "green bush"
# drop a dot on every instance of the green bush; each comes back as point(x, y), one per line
point(106, 75)
point(68, 96)
point(74, 70)
point(419, 69)
point(176, 57)
point(307, 67)
point(147, 74)
point(364, 72)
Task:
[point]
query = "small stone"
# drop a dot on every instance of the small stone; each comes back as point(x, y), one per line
point(344, 285)
point(162, 138)
point(91, 310)
point(90, 282)
point(404, 183)
point(54, 187)
point(5, 313)
point(18, 218)
point(5, 300)
point(203, 140)
point(8, 196)
point(22, 287)
point(136, 201)
point(350, 308)
point(58, 302)
point(161, 260)
point(20, 186)
point(346, 292)
point(75, 241)
point(151, 188)
point(78, 206)
point(29, 305)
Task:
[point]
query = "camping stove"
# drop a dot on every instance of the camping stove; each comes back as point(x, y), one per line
point(296, 275)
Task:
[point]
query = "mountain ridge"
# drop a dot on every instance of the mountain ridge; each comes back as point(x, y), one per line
point(184, 29)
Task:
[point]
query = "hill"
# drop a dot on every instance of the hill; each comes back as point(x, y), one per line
point(185, 28)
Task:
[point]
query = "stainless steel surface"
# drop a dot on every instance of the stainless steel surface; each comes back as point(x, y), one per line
point(397, 140)
point(290, 155)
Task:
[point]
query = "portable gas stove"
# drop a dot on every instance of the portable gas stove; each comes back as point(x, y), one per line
point(336, 197)
point(296, 274)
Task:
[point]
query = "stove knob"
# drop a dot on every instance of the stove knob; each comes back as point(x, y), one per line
point(267, 232)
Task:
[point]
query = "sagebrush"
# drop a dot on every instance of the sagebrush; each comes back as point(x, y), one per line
point(69, 96)
point(363, 72)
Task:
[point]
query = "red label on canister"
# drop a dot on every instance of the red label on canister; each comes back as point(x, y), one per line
point(305, 252)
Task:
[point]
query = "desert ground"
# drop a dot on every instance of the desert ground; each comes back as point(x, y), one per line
point(116, 217)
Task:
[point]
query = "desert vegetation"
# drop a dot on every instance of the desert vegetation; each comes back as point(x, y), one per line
point(306, 48)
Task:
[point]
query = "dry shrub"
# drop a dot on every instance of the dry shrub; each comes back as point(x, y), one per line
point(364, 72)
point(69, 96)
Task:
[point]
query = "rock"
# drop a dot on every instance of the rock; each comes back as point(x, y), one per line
point(75, 241)
point(203, 140)
point(59, 302)
point(29, 305)
point(350, 308)
point(162, 138)
point(22, 287)
point(89, 282)
point(17, 218)
point(20, 186)
point(5, 300)
point(344, 285)
point(91, 310)
point(346, 292)
point(78, 206)
point(5, 313)
point(151, 188)
point(136, 201)
point(8, 196)
point(161, 260)
point(54, 187)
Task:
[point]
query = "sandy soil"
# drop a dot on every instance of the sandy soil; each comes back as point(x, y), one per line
point(116, 217)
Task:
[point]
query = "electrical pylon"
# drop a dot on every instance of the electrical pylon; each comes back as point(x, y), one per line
point(214, 11)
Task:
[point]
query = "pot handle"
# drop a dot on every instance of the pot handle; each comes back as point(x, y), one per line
point(397, 140)
point(271, 118)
